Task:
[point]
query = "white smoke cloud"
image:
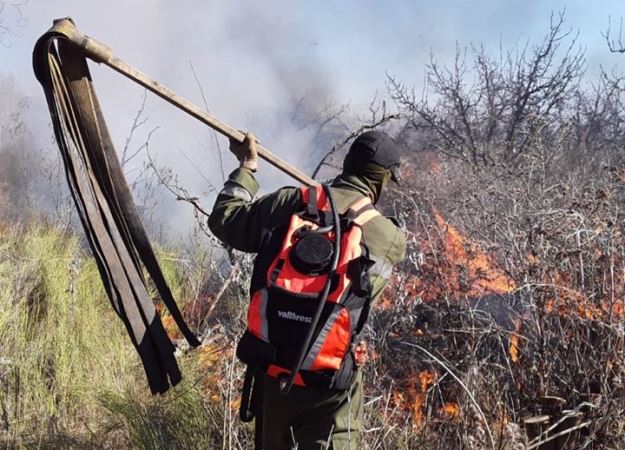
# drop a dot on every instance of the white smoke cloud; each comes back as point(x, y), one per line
point(247, 57)
point(269, 66)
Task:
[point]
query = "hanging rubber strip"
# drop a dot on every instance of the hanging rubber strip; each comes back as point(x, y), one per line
point(105, 206)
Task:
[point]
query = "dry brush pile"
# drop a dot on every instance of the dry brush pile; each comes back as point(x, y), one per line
point(505, 325)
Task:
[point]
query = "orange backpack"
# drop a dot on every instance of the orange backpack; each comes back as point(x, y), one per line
point(294, 331)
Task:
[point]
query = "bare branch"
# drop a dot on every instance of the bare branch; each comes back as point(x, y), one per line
point(137, 122)
point(379, 116)
point(170, 182)
point(11, 20)
point(615, 45)
point(219, 151)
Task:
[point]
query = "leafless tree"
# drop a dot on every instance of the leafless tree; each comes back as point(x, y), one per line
point(491, 110)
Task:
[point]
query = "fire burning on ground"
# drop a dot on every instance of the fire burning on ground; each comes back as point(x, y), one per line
point(455, 268)
point(413, 397)
point(534, 328)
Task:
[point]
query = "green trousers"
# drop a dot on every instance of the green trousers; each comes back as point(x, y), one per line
point(311, 419)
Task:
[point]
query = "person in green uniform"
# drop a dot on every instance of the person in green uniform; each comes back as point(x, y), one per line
point(309, 418)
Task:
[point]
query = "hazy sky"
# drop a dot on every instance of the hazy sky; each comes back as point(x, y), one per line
point(256, 59)
point(353, 42)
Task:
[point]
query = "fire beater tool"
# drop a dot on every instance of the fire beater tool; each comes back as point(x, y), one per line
point(103, 199)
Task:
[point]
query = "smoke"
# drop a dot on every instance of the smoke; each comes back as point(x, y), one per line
point(277, 68)
point(31, 177)
point(247, 60)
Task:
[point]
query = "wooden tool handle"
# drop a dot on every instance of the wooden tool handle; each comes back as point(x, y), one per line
point(100, 53)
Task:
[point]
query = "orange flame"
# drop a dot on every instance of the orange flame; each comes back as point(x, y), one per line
point(454, 267)
point(450, 411)
point(426, 379)
point(480, 271)
point(514, 342)
point(413, 397)
point(565, 301)
point(170, 327)
point(513, 349)
point(208, 356)
point(210, 361)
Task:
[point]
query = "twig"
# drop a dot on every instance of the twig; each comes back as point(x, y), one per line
point(562, 419)
point(561, 433)
point(219, 153)
point(137, 122)
point(233, 273)
point(615, 46)
point(375, 123)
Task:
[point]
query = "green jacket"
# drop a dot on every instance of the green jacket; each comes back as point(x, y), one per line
point(239, 221)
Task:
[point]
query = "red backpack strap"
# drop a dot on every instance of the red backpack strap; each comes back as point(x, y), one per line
point(309, 198)
point(315, 200)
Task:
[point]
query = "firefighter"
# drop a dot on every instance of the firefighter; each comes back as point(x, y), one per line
point(307, 417)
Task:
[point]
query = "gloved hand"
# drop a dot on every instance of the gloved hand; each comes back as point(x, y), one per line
point(246, 151)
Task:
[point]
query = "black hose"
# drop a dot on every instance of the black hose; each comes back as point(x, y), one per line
point(324, 296)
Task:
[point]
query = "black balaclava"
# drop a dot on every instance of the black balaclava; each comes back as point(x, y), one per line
point(372, 158)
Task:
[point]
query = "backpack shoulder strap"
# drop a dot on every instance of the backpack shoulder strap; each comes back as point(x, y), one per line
point(309, 198)
point(361, 211)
